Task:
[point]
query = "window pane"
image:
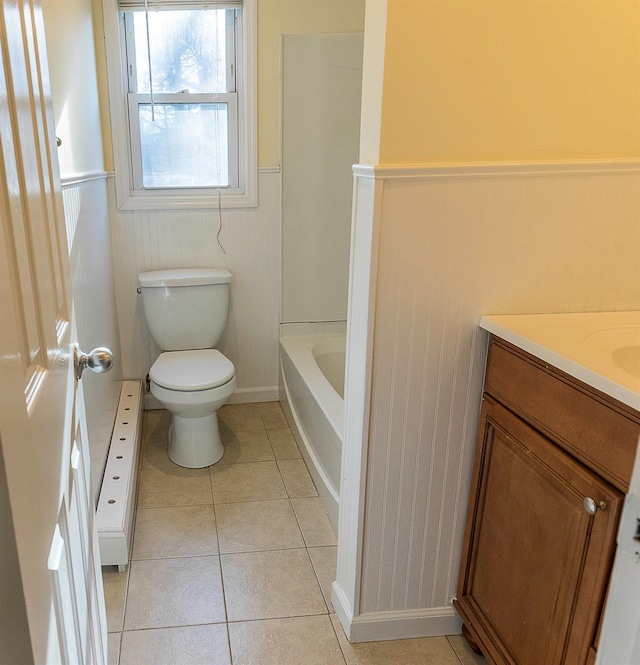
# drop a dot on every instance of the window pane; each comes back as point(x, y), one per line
point(188, 51)
point(186, 146)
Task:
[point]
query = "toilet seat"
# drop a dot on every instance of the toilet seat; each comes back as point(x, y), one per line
point(199, 369)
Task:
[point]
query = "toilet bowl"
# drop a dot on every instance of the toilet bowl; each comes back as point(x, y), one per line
point(193, 385)
point(186, 310)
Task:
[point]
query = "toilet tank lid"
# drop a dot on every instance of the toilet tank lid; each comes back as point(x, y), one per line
point(184, 277)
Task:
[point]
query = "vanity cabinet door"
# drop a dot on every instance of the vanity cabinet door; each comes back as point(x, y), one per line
point(536, 562)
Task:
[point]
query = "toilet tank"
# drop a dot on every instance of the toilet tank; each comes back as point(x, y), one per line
point(185, 308)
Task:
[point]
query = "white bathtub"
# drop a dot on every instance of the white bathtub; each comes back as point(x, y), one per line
point(312, 368)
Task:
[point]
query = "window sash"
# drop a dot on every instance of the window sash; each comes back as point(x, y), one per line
point(231, 99)
point(246, 194)
point(228, 97)
point(126, 5)
point(131, 47)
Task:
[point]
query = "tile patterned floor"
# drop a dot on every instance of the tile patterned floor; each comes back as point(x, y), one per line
point(233, 565)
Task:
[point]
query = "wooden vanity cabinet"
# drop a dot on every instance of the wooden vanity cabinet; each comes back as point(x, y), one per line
point(541, 526)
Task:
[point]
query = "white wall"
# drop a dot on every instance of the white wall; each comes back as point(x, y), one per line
point(87, 219)
point(445, 246)
point(74, 89)
point(322, 84)
point(72, 67)
point(152, 240)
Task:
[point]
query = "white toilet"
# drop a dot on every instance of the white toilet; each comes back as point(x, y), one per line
point(186, 311)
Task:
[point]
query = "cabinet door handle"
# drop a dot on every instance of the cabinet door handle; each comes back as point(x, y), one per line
point(591, 506)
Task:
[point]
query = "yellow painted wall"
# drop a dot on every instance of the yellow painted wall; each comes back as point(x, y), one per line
point(70, 51)
point(278, 17)
point(375, 28)
point(510, 80)
point(275, 18)
point(103, 84)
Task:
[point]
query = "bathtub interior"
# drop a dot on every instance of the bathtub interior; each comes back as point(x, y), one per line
point(331, 364)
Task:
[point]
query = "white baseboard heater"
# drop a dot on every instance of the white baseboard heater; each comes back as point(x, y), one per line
point(116, 504)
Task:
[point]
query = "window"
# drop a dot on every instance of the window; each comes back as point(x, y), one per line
point(187, 103)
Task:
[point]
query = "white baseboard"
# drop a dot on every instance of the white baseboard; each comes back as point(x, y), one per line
point(114, 517)
point(394, 625)
point(342, 608)
point(258, 394)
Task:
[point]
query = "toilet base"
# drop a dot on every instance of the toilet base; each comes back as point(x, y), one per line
point(195, 442)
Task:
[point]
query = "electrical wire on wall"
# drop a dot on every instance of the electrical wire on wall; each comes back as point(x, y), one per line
point(220, 215)
point(220, 226)
point(219, 194)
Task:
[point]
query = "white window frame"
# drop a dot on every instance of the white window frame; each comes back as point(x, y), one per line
point(128, 197)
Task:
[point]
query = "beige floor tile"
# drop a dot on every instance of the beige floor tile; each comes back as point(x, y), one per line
point(155, 440)
point(250, 446)
point(283, 444)
point(324, 564)
point(257, 525)
point(424, 651)
point(465, 655)
point(296, 478)
point(240, 417)
point(174, 592)
point(113, 648)
point(297, 641)
point(190, 645)
point(314, 523)
point(160, 488)
point(155, 455)
point(269, 585)
point(255, 481)
point(272, 415)
point(156, 424)
point(115, 592)
point(164, 533)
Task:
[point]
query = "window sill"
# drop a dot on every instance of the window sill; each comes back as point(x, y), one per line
point(153, 201)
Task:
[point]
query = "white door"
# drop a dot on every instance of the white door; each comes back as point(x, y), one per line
point(51, 598)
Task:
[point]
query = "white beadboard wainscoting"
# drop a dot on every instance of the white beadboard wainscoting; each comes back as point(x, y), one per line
point(87, 219)
point(157, 239)
point(433, 249)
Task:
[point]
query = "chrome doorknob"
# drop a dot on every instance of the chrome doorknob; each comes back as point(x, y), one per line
point(99, 360)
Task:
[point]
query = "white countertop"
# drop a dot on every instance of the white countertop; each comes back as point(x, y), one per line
point(602, 349)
